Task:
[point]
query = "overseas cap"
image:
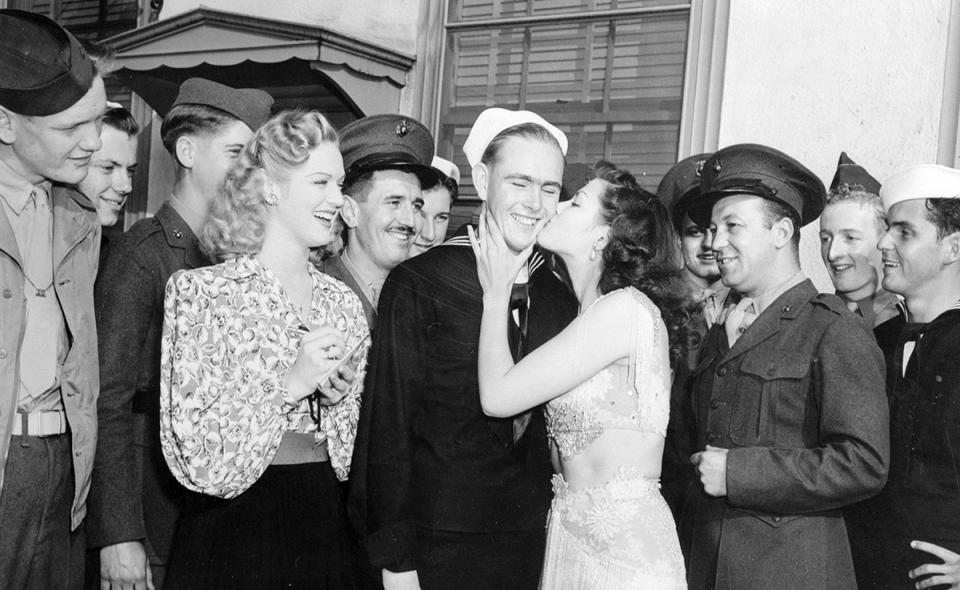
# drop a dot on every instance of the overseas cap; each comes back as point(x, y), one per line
point(680, 186)
point(383, 142)
point(250, 105)
point(448, 168)
point(927, 181)
point(43, 68)
point(495, 120)
point(751, 169)
point(852, 174)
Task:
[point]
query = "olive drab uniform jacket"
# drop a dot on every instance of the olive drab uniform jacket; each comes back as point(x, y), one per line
point(799, 402)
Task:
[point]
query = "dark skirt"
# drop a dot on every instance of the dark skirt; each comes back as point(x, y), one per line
point(287, 531)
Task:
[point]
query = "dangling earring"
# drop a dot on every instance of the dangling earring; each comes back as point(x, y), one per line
point(271, 199)
point(593, 254)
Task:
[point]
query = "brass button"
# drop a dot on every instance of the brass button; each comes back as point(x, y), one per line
point(715, 404)
point(722, 371)
point(777, 518)
point(3, 353)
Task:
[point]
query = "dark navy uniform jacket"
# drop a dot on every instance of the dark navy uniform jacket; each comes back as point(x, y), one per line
point(426, 455)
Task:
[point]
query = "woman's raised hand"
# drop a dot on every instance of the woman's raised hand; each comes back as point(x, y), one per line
point(497, 264)
point(320, 351)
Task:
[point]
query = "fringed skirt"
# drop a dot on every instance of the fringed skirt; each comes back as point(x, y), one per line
point(619, 535)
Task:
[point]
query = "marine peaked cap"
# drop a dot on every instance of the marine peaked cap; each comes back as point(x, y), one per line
point(752, 169)
point(852, 174)
point(250, 105)
point(680, 186)
point(43, 68)
point(388, 142)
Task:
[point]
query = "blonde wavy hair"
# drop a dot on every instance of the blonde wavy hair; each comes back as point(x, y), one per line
point(235, 224)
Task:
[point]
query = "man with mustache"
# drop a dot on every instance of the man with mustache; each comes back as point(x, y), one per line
point(850, 226)
point(387, 159)
point(51, 101)
point(790, 414)
point(909, 535)
point(448, 497)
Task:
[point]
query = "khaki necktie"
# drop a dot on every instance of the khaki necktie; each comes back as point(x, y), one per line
point(43, 321)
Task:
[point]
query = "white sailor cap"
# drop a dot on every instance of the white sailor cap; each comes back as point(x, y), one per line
point(494, 120)
point(927, 181)
point(448, 168)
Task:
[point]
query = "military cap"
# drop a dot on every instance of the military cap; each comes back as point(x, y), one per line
point(384, 142)
point(751, 169)
point(852, 174)
point(447, 168)
point(250, 105)
point(927, 181)
point(493, 121)
point(680, 186)
point(43, 68)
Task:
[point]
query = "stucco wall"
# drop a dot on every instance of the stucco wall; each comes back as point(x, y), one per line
point(817, 78)
point(391, 23)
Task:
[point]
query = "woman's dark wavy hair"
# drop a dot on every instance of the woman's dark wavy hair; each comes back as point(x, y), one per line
point(643, 251)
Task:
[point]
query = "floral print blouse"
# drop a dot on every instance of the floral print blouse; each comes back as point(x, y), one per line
point(230, 334)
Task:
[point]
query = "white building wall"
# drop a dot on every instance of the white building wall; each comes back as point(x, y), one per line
point(815, 78)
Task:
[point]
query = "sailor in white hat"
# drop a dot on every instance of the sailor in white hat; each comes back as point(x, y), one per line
point(891, 543)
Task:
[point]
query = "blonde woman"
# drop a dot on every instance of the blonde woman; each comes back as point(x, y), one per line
point(262, 365)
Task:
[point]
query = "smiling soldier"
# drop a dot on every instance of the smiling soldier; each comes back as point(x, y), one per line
point(789, 409)
point(850, 226)
point(387, 159)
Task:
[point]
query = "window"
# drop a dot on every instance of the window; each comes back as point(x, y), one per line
point(607, 72)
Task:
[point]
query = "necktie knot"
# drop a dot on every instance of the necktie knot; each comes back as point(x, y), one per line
point(518, 295)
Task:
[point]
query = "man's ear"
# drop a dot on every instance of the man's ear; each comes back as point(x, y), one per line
point(185, 151)
point(950, 248)
point(350, 212)
point(480, 174)
point(8, 132)
point(783, 231)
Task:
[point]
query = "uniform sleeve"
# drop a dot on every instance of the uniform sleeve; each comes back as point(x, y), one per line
point(850, 460)
point(339, 422)
point(126, 301)
point(383, 490)
point(221, 394)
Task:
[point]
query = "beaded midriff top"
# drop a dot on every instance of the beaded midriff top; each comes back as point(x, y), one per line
point(622, 396)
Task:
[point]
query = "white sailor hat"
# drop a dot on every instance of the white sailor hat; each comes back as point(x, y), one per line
point(495, 120)
point(927, 181)
point(448, 168)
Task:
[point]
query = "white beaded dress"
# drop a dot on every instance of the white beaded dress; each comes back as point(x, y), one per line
point(617, 534)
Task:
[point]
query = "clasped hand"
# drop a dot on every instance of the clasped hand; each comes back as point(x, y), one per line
point(316, 367)
point(711, 465)
point(497, 264)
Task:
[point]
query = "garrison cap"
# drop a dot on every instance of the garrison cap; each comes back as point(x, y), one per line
point(250, 105)
point(852, 174)
point(680, 186)
point(927, 181)
point(43, 68)
point(751, 169)
point(494, 121)
point(388, 142)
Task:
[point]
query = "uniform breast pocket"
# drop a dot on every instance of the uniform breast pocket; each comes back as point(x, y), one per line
point(771, 399)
